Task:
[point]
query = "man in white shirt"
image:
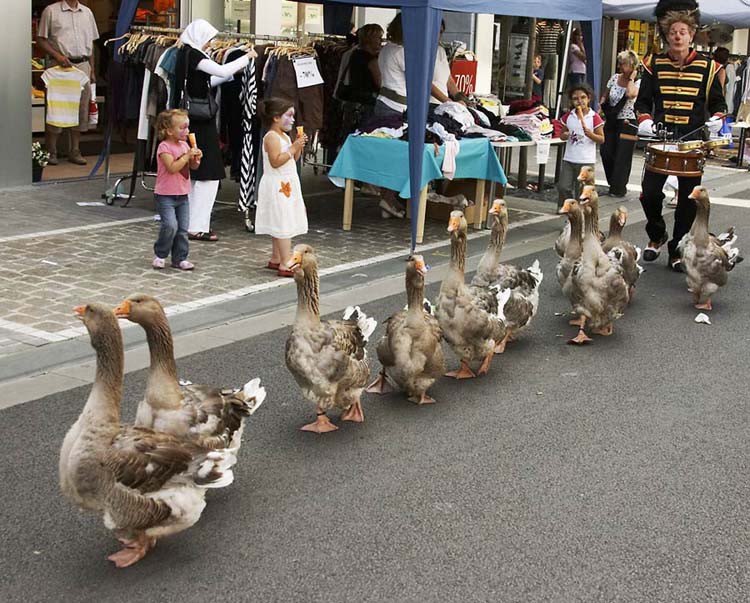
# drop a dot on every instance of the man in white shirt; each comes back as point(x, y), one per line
point(67, 30)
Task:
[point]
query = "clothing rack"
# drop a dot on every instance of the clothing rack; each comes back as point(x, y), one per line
point(309, 158)
point(222, 34)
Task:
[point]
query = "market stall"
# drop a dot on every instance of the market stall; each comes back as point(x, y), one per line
point(421, 22)
point(475, 160)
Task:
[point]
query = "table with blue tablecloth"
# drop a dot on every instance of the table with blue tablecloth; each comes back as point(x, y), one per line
point(385, 162)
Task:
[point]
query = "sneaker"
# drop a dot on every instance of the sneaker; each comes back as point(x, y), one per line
point(184, 265)
point(76, 157)
point(52, 159)
point(158, 263)
point(676, 265)
point(653, 249)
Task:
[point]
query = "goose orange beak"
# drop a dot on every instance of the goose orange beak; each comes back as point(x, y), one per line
point(123, 310)
point(497, 207)
point(79, 311)
point(453, 224)
point(421, 267)
point(565, 209)
point(694, 193)
point(296, 262)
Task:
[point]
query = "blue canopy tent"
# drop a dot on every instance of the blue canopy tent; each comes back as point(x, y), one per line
point(731, 12)
point(421, 25)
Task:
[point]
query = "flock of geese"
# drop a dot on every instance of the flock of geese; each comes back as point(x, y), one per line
point(149, 480)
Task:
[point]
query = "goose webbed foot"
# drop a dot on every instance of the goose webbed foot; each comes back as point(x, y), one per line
point(580, 339)
point(423, 399)
point(464, 372)
point(705, 306)
point(500, 347)
point(321, 425)
point(604, 331)
point(484, 369)
point(380, 385)
point(132, 551)
point(354, 413)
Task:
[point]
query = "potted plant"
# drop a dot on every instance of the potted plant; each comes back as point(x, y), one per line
point(39, 159)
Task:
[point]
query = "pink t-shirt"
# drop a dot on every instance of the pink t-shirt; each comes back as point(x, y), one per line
point(172, 184)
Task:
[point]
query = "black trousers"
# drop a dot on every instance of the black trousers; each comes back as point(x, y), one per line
point(617, 156)
point(651, 201)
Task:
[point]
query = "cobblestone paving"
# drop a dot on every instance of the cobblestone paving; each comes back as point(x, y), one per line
point(43, 277)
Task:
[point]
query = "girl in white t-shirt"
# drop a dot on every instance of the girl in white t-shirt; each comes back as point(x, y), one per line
point(582, 129)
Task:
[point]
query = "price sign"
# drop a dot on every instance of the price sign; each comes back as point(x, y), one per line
point(308, 74)
point(465, 75)
point(542, 151)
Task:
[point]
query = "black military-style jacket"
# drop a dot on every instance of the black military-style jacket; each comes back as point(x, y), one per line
point(680, 97)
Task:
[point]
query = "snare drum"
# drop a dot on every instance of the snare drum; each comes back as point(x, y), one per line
point(666, 158)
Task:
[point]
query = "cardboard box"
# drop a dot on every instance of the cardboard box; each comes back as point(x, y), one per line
point(462, 186)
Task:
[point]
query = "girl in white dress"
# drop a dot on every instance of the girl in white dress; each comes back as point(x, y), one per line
point(281, 210)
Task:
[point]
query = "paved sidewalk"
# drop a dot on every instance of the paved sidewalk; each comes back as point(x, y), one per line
point(62, 254)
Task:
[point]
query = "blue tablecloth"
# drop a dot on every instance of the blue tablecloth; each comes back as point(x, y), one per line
point(385, 162)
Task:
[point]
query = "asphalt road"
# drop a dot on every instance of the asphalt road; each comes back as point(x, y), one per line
point(618, 471)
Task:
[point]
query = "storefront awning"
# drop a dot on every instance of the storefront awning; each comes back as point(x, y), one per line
point(732, 12)
point(421, 25)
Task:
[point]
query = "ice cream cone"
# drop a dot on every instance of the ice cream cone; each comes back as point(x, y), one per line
point(191, 139)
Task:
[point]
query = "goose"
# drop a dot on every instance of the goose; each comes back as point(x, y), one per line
point(622, 252)
point(213, 416)
point(707, 258)
point(410, 349)
point(327, 358)
point(574, 249)
point(598, 289)
point(523, 283)
point(587, 178)
point(145, 484)
point(473, 322)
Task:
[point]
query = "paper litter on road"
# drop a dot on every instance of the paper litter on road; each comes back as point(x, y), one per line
point(90, 203)
point(703, 318)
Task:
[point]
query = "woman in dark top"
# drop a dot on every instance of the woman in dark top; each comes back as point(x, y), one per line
point(360, 79)
point(196, 73)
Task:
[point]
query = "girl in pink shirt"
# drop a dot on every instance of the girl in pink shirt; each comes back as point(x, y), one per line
point(175, 159)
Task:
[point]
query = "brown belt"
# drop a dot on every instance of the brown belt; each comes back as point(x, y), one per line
point(393, 95)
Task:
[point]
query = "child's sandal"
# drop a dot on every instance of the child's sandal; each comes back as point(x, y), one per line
point(272, 266)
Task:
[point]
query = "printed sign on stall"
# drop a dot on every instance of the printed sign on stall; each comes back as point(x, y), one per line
point(465, 75)
point(308, 74)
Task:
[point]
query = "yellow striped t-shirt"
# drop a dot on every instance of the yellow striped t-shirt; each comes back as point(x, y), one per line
point(64, 85)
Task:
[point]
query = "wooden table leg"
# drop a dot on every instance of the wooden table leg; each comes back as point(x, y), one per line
point(421, 214)
point(479, 204)
point(348, 203)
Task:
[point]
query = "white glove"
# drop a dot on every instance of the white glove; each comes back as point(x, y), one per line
point(714, 124)
point(646, 128)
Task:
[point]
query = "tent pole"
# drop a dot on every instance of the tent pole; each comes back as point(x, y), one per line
point(523, 156)
point(564, 70)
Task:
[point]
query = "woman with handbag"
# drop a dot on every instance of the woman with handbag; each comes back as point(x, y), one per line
point(617, 107)
point(196, 74)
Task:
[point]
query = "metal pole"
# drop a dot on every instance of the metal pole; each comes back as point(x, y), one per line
point(523, 155)
point(564, 71)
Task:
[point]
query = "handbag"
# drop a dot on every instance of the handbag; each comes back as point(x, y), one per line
point(198, 109)
point(612, 111)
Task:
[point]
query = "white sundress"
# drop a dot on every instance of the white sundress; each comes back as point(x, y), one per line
point(281, 210)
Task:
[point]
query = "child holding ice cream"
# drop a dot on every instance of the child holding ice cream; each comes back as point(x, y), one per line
point(281, 210)
point(174, 160)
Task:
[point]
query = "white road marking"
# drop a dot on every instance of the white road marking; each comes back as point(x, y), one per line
point(72, 333)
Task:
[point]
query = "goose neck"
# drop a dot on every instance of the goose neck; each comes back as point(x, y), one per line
point(308, 295)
